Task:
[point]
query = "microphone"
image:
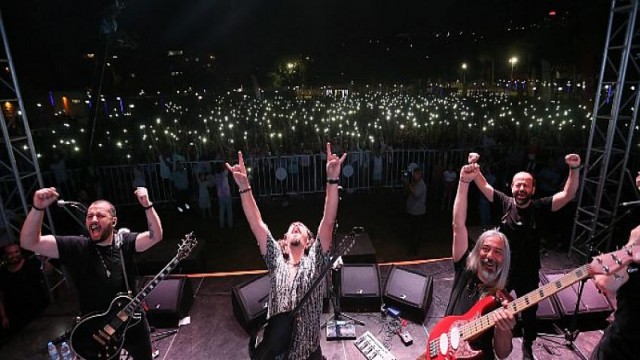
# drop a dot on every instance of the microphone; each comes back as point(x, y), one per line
point(630, 203)
point(118, 237)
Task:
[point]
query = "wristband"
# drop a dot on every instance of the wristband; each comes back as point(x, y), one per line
point(575, 167)
point(148, 207)
point(333, 181)
point(37, 208)
point(245, 190)
point(466, 182)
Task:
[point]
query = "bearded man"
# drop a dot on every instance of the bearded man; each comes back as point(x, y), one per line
point(521, 217)
point(479, 272)
point(95, 263)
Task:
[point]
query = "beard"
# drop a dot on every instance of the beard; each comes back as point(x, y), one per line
point(104, 235)
point(489, 276)
point(522, 197)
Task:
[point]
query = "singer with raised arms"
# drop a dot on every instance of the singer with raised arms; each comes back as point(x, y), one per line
point(97, 263)
point(292, 274)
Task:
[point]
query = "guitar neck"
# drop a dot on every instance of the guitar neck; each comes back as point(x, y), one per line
point(487, 321)
point(137, 300)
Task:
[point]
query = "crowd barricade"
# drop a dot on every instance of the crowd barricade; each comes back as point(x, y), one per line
point(269, 175)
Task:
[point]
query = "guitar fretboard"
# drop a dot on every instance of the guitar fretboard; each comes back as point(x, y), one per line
point(487, 321)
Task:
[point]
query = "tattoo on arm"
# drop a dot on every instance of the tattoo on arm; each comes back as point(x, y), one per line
point(151, 234)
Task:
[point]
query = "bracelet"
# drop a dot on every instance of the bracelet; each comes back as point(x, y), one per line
point(37, 208)
point(466, 182)
point(244, 190)
point(148, 207)
point(333, 181)
point(575, 167)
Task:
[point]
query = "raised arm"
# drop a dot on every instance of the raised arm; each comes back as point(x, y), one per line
point(30, 234)
point(483, 185)
point(460, 233)
point(249, 206)
point(325, 230)
point(147, 239)
point(567, 194)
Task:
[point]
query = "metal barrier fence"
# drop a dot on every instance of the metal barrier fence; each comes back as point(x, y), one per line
point(269, 176)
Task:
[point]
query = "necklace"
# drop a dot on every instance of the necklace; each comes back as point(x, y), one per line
point(104, 263)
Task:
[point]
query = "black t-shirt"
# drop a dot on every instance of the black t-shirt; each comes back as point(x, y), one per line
point(88, 265)
point(621, 339)
point(464, 294)
point(24, 293)
point(522, 228)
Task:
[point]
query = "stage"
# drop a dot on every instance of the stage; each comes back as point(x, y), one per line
point(214, 333)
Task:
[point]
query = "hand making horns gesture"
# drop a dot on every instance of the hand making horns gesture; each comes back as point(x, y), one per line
point(239, 172)
point(334, 163)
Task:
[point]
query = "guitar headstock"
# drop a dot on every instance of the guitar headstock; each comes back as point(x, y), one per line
point(611, 262)
point(187, 244)
point(348, 241)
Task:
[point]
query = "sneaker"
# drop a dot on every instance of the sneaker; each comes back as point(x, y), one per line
point(527, 352)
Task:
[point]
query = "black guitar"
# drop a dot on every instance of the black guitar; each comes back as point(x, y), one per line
point(274, 338)
point(101, 335)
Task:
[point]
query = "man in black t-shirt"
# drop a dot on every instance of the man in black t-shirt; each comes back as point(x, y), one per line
point(479, 272)
point(520, 219)
point(94, 262)
point(23, 293)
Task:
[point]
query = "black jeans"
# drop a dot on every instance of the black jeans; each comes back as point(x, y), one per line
point(137, 341)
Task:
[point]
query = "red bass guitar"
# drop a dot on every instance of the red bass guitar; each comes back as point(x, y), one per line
point(449, 339)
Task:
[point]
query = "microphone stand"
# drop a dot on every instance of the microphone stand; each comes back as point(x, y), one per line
point(79, 207)
point(343, 329)
point(571, 333)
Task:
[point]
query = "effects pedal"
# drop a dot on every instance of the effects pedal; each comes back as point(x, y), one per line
point(372, 348)
point(406, 338)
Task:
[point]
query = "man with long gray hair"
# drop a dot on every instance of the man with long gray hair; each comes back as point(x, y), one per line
point(479, 272)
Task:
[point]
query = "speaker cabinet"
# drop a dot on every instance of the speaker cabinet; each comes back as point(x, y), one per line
point(169, 302)
point(410, 292)
point(359, 288)
point(249, 301)
point(593, 305)
point(547, 308)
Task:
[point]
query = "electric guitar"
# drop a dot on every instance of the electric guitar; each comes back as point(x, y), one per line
point(450, 338)
point(101, 335)
point(274, 338)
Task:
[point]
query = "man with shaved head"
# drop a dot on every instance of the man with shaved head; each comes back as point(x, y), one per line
point(520, 219)
point(101, 265)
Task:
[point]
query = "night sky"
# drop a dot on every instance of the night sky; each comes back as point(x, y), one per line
point(345, 40)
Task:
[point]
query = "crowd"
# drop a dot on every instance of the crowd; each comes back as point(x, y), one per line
point(213, 127)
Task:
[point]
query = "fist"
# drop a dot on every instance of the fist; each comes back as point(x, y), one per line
point(45, 197)
point(572, 160)
point(473, 158)
point(143, 196)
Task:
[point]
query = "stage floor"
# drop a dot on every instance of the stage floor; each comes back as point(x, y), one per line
point(214, 333)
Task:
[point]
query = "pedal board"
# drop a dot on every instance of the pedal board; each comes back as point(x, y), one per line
point(372, 348)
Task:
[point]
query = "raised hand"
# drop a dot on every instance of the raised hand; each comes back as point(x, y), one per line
point(45, 197)
point(469, 172)
point(572, 160)
point(473, 158)
point(334, 163)
point(142, 195)
point(239, 172)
